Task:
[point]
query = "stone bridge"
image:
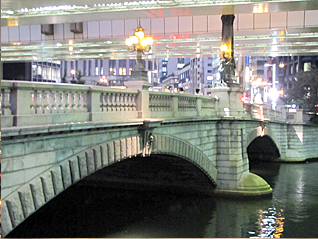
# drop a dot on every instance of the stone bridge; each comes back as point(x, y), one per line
point(54, 135)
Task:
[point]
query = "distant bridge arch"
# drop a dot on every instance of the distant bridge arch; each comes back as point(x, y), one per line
point(262, 141)
point(26, 200)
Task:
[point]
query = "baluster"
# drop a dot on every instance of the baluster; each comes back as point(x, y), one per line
point(129, 102)
point(83, 101)
point(37, 102)
point(107, 102)
point(151, 102)
point(78, 105)
point(102, 103)
point(55, 100)
point(45, 102)
point(32, 103)
point(156, 103)
point(61, 101)
point(113, 105)
point(52, 102)
point(133, 101)
point(117, 102)
point(66, 102)
point(5, 102)
point(124, 101)
point(71, 102)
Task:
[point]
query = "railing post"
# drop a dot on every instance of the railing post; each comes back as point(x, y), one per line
point(6, 106)
point(93, 102)
point(175, 105)
point(199, 106)
point(21, 100)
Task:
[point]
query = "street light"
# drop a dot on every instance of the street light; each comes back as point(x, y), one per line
point(73, 72)
point(225, 50)
point(103, 80)
point(138, 42)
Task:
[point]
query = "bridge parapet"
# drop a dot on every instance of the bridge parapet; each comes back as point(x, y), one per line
point(167, 105)
point(35, 103)
point(265, 113)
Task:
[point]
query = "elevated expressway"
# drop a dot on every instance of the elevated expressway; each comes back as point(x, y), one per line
point(180, 28)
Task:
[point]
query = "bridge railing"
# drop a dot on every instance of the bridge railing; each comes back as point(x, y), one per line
point(263, 112)
point(166, 105)
point(37, 103)
point(34, 103)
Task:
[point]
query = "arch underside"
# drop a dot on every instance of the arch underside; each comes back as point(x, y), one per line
point(271, 145)
point(23, 202)
point(262, 148)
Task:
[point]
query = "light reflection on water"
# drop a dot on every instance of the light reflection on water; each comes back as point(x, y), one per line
point(270, 224)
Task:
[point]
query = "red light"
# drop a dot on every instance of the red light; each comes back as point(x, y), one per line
point(244, 99)
point(173, 36)
point(187, 36)
point(180, 36)
point(103, 79)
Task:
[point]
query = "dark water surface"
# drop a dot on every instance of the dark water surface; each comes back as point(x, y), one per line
point(291, 212)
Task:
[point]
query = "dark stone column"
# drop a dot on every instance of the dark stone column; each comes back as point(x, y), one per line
point(227, 32)
point(227, 63)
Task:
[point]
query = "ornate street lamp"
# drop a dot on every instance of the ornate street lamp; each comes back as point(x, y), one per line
point(138, 42)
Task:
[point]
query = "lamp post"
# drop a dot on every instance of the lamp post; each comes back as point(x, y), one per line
point(227, 63)
point(139, 79)
point(73, 72)
point(138, 42)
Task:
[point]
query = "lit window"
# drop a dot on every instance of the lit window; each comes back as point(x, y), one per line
point(122, 71)
point(112, 71)
point(96, 71)
point(130, 69)
point(307, 66)
point(39, 71)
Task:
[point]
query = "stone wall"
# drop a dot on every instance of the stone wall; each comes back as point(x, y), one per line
point(27, 156)
point(310, 141)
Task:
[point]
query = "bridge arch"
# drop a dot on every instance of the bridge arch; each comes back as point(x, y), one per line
point(26, 200)
point(258, 137)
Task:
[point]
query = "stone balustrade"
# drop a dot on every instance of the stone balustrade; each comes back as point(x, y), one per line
point(37, 103)
point(262, 112)
point(167, 105)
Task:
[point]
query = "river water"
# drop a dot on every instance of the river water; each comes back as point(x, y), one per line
point(290, 212)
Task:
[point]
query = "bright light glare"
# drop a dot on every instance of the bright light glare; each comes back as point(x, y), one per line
point(149, 41)
point(273, 94)
point(144, 42)
point(140, 34)
point(134, 40)
point(223, 47)
point(128, 42)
